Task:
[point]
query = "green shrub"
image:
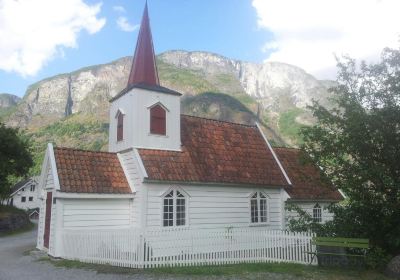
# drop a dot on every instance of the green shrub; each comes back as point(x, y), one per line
point(377, 258)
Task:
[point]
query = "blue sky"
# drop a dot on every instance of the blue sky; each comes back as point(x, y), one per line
point(43, 38)
point(227, 27)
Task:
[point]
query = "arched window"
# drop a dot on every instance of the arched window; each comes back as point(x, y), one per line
point(120, 126)
point(317, 213)
point(158, 120)
point(174, 209)
point(259, 208)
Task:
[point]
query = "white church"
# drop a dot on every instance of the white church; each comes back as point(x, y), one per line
point(165, 170)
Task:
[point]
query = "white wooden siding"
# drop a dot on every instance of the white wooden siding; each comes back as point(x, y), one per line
point(96, 213)
point(308, 207)
point(214, 206)
point(26, 192)
point(53, 228)
point(42, 211)
point(135, 104)
point(131, 165)
point(48, 185)
point(49, 179)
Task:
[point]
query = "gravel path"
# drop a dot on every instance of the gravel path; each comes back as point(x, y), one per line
point(16, 264)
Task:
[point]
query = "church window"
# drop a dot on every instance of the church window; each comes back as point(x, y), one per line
point(174, 209)
point(259, 208)
point(317, 213)
point(120, 126)
point(158, 120)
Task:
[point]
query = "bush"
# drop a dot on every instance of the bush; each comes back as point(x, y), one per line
point(377, 258)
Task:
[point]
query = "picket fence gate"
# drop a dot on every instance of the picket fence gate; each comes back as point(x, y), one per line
point(186, 247)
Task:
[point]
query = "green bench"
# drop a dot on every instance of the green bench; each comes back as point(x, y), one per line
point(339, 242)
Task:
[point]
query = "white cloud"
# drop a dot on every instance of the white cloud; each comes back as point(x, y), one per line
point(119, 9)
point(124, 25)
point(34, 32)
point(308, 33)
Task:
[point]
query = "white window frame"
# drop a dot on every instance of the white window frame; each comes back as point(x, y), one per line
point(267, 198)
point(174, 216)
point(317, 213)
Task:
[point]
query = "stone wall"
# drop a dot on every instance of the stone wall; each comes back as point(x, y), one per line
point(13, 221)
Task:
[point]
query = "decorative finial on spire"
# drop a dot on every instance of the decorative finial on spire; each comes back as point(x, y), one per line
point(144, 68)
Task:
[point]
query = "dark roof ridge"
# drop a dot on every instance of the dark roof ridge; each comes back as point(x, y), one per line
point(145, 86)
point(82, 150)
point(215, 120)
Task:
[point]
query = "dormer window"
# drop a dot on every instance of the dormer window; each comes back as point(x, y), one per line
point(120, 126)
point(158, 120)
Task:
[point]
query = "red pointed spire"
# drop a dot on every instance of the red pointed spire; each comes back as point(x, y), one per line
point(144, 68)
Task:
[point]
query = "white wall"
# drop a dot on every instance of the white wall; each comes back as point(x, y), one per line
point(214, 206)
point(135, 105)
point(48, 185)
point(308, 207)
point(27, 193)
point(96, 213)
point(131, 165)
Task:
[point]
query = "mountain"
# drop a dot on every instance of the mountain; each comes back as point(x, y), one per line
point(7, 104)
point(72, 108)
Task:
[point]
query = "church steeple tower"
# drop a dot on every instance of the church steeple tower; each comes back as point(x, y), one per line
point(144, 68)
point(145, 114)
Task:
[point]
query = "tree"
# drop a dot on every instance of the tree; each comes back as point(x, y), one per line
point(357, 145)
point(15, 159)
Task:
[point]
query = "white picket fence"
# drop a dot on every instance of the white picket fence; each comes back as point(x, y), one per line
point(186, 247)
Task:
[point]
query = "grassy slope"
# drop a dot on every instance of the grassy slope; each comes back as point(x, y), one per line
point(188, 81)
point(289, 127)
point(79, 131)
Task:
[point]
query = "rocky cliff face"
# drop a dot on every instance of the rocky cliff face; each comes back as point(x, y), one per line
point(8, 100)
point(86, 90)
point(277, 85)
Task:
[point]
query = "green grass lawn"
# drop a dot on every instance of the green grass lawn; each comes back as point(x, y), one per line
point(244, 271)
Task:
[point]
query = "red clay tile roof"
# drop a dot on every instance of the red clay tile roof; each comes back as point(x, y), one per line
point(215, 152)
point(305, 178)
point(90, 172)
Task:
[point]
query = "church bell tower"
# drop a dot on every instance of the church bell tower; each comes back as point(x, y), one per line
point(145, 114)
